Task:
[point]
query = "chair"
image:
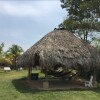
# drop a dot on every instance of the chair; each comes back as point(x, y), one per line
point(89, 83)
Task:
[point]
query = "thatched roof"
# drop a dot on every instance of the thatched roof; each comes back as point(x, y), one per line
point(60, 48)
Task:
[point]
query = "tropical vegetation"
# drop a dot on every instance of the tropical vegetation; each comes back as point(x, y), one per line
point(9, 57)
point(13, 53)
point(83, 17)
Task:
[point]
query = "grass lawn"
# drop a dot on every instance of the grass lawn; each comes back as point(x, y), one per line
point(12, 89)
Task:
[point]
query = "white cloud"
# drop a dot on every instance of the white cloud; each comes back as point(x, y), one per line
point(30, 9)
point(25, 22)
point(17, 10)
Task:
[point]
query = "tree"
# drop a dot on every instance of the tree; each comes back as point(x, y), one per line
point(82, 17)
point(96, 43)
point(1, 48)
point(5, 62)
point(13, 53)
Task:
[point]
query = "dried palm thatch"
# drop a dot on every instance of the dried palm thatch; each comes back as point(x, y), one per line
point(60, 48)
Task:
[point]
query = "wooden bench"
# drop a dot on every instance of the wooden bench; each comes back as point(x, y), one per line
point(7, 69)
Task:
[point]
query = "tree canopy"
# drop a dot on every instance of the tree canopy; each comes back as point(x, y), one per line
point(1, 48)
point(5, 62)
point(83, 17)
point(96, 43)
point(14, 52)
point(9, 57)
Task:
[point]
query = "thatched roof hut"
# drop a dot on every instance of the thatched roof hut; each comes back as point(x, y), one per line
point(60, 48)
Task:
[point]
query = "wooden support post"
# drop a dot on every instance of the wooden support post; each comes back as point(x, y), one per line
point(94, 79)
point(46, 76)
point(29, 72)
point(46, 82)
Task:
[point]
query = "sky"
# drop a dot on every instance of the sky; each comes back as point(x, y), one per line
point(24, 22)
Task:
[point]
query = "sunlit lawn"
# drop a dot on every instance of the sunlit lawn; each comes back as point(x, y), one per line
point(12, 89)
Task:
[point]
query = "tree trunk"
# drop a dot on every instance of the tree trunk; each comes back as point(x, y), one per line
point(15, 64)
point(86, 35)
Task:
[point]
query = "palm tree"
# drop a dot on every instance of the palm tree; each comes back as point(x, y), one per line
point(13, 53)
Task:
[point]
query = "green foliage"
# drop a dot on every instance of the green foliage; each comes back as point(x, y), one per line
point(5, 62)
point(80, 9)
point(1, 48)
point(15, 50)
point(9, 57)
point(13, 53)
point(96, 43)
point(82, 16)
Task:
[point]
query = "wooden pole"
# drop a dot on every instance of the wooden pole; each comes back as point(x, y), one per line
point(46, 82)
point(46, 76)
point(29, 72)
point(94, 79)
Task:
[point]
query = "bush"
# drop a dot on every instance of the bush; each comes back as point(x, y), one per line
point(5, 62)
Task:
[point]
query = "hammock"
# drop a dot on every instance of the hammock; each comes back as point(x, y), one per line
point(58, 74)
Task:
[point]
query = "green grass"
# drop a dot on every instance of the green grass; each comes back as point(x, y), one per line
point(12, 88)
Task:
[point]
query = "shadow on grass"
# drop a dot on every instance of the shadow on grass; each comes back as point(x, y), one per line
point(22, 86)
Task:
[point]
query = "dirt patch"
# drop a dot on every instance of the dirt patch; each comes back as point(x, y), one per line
point(56, 84)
